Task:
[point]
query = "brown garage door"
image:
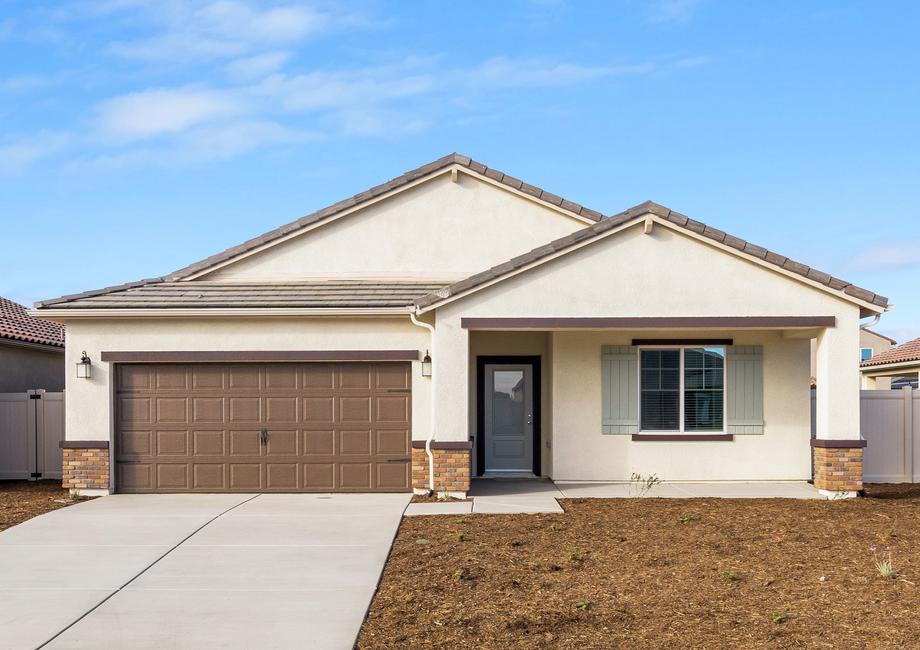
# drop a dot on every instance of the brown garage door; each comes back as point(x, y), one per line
point(277, 427)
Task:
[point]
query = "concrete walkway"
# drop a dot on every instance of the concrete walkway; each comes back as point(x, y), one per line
point(193, 571)
point(540, 495)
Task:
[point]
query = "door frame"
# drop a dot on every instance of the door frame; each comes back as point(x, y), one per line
point(481, 363)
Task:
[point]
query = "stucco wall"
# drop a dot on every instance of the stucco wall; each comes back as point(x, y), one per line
point(438, 229)
point(876, 343)
point(663, 274)
point(89, 412)
point(23, 369)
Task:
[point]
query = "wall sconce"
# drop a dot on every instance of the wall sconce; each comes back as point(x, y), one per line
point(84, 367)
point(426, 365)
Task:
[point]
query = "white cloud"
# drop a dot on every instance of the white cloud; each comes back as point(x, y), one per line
point(892, 256)
point(19, 153)
point(26, 83)
point(236, 138)
point(517, 73)
point(259, 65)
point(163, 111)
point(673, 11)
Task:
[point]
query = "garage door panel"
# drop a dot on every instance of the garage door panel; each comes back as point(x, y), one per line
point(197, 427)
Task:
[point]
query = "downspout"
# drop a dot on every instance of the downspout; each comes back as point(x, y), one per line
point(434, 375)
point(874, 322)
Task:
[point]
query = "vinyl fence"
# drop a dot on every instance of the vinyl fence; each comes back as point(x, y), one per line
point(31, 429)
point(890, 423)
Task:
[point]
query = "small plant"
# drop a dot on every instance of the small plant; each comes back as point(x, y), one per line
point(731, 576)
point(460, 617)
point(883, 563)
point(516, 543)
point(779, 617)
point(556, 528)
point(640, 485)
point(575, 555)
point(686, 517)
point(463, 574)
point(584, 605)
point(461, 537)
point(421, 541)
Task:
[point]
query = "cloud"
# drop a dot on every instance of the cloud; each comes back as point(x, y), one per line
point(673, 11)
point(520, 73)
point(215, 30)
point(19, 153)
point(163, 111)
point(21, 84)
point(892, 256)
point(259, 65)
point(236, 138)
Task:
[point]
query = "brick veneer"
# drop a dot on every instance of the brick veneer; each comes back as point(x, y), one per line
point(839, 469)
point(451, 468)
point(85, 467)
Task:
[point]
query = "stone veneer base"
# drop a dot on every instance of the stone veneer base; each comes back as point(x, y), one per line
point(451, 468)
point(85, 467)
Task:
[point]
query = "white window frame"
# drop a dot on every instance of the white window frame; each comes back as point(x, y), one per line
point(680, 407)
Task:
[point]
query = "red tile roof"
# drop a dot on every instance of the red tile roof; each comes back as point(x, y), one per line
point(18, 325)
point(904, 353)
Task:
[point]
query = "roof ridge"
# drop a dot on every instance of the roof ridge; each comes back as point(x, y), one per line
point(453, 158)
point(683, 221)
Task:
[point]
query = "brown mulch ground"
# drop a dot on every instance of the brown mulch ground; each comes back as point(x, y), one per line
point(433, 498)
point(21, 500)
point(656, 573)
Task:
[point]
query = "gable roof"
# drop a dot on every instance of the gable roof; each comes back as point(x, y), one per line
point(563, 244)
point(379, 190)
point(16, 324)
point(881, 336)
point(904, 353)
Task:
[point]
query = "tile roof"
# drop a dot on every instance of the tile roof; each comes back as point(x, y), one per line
point(229, 295)
point(18, 325)
point(383, 188)
point(650, 207)
point(904, 353)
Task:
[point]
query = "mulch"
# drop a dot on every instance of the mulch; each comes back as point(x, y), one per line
point(656, 573)
point(22, 500)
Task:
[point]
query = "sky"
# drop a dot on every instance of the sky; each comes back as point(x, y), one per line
point(138, 136)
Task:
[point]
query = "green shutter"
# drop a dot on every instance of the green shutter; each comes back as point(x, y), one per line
point(744, 389)
point(620, 389)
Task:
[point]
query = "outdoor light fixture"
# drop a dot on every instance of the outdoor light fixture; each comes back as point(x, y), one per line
point(84, 367)
point(426, 365)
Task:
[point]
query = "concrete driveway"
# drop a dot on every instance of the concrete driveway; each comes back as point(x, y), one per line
point(194, 571)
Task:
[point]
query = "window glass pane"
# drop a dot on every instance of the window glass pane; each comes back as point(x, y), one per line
point(704, 370)
point(660, 384)
point(865, 354)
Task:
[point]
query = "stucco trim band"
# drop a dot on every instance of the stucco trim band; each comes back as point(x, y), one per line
point(84, 444)
point(682, 437)
point(653, 322)
point(823, 443)
point(464, 444)
point(258, 356)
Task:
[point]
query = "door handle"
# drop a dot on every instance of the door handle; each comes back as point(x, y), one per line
point(263, 436)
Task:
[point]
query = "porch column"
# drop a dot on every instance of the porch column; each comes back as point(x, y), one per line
point(450, 447)
point(838, 447)
point(869, 383)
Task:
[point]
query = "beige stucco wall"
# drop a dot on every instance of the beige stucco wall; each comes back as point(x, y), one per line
point(876, 343)
point(439, 229)
point(89, 412)
point(663, 274)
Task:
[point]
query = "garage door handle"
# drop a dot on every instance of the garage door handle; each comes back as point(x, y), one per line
point(263, 436)
point(398, 460)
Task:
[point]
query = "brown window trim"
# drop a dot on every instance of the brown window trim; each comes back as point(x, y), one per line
point(682, 437)
point(84, 444)
point(462, 444)
point(683, 342)
point(651, 322)
point(258, 356)
point(838, 444)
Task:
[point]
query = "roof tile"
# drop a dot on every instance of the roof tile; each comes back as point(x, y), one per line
point(904, 353)
point(18, 325)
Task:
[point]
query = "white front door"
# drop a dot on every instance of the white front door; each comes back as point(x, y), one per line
point(508, 403)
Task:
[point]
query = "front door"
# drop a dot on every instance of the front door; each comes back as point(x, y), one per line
point(508, 422)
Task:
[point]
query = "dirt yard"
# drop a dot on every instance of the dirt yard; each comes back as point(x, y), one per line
point(21, 500)
point(655, 573)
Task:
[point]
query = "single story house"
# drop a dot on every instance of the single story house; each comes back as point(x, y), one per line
point(900, 362)
point(456, 322)
point(31, 351)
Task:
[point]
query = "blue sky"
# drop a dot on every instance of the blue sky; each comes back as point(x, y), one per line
point(139, 136)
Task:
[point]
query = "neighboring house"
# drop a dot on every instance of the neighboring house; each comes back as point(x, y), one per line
point(870, 344)
point(902, 363)
point(562, 343)
point(31, 351)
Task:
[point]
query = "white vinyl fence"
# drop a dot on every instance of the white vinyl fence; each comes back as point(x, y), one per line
point(889, 420)
point(31, 429)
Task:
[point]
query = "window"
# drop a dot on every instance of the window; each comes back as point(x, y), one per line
point(682, 389)
point(865, 354)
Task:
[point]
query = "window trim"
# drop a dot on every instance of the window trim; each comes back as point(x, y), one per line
point(681, 431)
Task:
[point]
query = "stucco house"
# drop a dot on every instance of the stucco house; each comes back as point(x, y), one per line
point(456, 322)
point(31, 351)
point(902, 362)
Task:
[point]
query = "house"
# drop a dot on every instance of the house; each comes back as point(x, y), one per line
point(901, 363)
point(31, 351)
point(871, 344)
point(457, 321)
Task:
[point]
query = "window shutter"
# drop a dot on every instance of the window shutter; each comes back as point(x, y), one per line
point(744, 388)
point(620, 389)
